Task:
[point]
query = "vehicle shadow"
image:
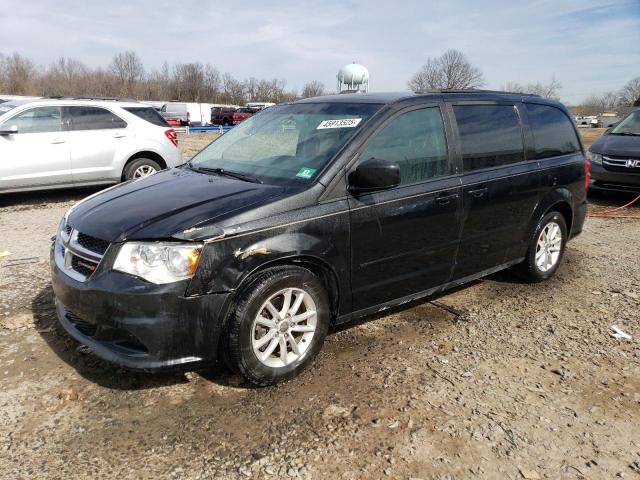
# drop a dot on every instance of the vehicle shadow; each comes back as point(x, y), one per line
point(46, 197)
point(87, 365)
point(107, 375)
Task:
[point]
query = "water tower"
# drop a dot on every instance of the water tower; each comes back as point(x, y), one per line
point(353, 78)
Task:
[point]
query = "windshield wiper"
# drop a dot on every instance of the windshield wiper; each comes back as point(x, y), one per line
point(625, 133)
point(228, 173)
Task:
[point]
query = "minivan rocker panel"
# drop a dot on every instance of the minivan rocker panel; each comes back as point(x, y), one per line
point(283, 258)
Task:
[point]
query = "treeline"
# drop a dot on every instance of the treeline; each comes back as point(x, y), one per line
point(127, 77)
point(627, 96)
point(452, 70)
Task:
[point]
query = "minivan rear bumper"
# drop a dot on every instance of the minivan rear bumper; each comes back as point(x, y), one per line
point(137, 325)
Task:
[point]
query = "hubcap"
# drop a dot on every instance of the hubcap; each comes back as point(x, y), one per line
point(143, 171)
point(284, 327)
point(548, 246)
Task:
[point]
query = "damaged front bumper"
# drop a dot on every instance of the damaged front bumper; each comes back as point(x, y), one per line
point(139, 325)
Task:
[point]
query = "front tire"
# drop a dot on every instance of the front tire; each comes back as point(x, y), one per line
point(546, 248)
point(279, 325)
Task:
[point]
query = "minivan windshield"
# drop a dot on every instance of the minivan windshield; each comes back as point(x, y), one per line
point(628, 126)
point(286, 144)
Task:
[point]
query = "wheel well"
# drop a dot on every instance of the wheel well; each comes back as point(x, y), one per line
point(565, 210)
point(145, 154)
point(321, 270)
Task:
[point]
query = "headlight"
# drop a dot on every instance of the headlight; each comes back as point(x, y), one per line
point(594, 158)
point(159, 262)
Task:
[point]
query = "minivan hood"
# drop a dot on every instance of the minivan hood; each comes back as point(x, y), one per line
point(618, 145)
point(166, 203)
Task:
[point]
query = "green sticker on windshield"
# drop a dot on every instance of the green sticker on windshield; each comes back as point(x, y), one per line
point(306, 172)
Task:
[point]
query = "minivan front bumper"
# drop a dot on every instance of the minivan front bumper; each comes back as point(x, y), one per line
point(603, 179)
point(138, 325)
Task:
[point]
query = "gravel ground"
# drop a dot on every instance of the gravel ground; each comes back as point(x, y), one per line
point(498, 379)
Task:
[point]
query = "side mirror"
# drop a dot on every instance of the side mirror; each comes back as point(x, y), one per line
point(8, 130)
point(374, 174)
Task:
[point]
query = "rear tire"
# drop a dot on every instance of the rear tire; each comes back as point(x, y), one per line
point(546, 248)
point(278, 325)
point(139, 168)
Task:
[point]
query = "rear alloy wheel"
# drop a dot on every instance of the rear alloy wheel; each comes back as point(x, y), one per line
point(546, 248)
point(140, 168)
point(278, 325)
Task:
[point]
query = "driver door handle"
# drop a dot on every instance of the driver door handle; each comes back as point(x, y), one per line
point(478, 192)
point(57, 140)
point(119, 135)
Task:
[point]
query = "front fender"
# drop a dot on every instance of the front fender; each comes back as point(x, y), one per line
point(225, 265)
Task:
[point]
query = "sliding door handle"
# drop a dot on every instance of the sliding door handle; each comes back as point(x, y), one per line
point(478, 192)
point(446, 198)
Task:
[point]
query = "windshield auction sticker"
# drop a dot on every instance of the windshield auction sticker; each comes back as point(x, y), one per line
point(306, 172)
point(342, 123)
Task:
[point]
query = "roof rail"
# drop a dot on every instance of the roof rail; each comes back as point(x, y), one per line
point(104, 99)
point(473, 90)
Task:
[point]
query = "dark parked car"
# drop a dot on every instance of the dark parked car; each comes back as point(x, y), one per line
point(615, 157)
point(222, 115)
point(312, 214)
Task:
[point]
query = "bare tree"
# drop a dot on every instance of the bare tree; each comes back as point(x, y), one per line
point(630, 93)
point(450, 71)
point(19, 75)
point(313, 89)
point(606, 101)
point(128, 69)
point(189, 81)
point(65, 76)
point(547, 90)
point(232, 90)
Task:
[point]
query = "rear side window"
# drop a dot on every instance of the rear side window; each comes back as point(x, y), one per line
point(148, 114)
point(553, 133)
point(94, 118)
point(490, 135)
point(416, 141)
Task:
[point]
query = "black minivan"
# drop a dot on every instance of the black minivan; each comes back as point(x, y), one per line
point(311, 214)
point(615, 157)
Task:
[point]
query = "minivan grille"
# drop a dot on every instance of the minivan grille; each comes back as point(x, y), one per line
point(621, 164)
point(83, 266)
point(91, 243)
point(78, 254)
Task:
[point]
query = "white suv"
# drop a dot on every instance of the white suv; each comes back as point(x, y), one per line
point(65, 143)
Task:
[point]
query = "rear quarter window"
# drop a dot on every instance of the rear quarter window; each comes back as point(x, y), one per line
point(148, 114)
point(553, 132)
point(490, 135)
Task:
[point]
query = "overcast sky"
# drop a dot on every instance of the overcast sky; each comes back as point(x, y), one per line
point(590, 46)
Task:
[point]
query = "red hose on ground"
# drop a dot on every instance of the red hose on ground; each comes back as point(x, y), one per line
point(612, 213)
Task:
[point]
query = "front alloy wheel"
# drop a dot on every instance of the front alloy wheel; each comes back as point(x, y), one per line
point(284, 327)
point(278, 325)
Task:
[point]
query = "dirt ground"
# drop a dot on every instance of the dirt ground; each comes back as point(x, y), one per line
point(498, 379)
